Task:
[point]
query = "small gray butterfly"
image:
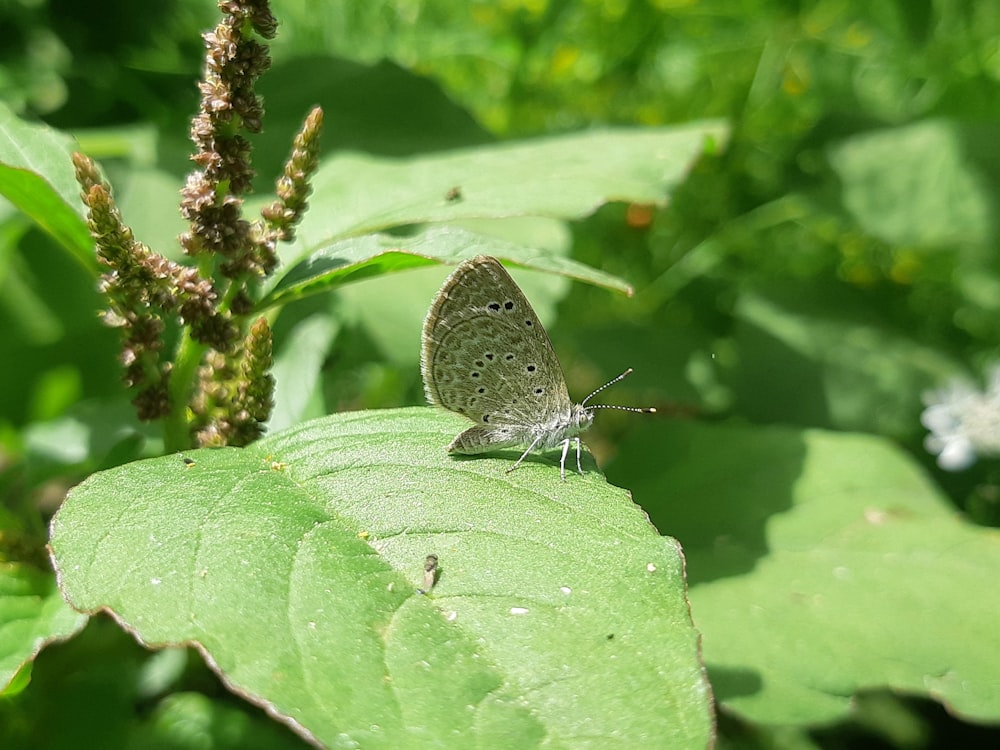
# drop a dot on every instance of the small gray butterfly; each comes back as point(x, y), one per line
point(485, 355)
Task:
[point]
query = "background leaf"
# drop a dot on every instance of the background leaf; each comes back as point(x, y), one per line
point(821, 565)
point(581, 172)
point(573, 175)
point(928, 183)
point(32, 615)
point(36, 175)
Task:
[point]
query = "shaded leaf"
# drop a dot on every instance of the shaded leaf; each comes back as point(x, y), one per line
point(90, 435)
point(927, 183)
point(32, 615)
point(362, 103)
point(820, 356)
point(297, 368)
point(192, 720)
point(823, 564)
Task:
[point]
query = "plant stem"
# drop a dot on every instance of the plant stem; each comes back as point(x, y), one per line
point(176, 428)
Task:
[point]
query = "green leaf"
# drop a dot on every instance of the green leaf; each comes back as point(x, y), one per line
point(90, 435)
point(192, 720)
point(36, 175)
point(86, 687)
point(359, 258)
point(565, 177)
point(821, 565)
point(298, 365)
point(927, 183)
point(32, 614)
point(819, 355)
point(362, 104)
point(559, 616)
point(568, 177)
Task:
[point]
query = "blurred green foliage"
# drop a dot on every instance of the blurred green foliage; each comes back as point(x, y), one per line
point(832, 264)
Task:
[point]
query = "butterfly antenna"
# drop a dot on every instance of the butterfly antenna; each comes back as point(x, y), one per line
point(647, 410)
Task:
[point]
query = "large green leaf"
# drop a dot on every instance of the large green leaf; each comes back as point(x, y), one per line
point(357, 198)
point(823, 564)
point(36, 175)
point(559, 618)
point(566, 177)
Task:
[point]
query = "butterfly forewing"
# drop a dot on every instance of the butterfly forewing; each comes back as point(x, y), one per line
point(485, 353)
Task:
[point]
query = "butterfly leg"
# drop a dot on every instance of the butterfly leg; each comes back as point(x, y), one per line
point(579, 468)
point(562, 461)
point(530, 448)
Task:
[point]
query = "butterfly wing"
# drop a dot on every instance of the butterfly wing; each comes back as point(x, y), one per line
point(486, 355)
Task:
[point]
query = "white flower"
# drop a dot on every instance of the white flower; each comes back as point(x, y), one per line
point(964, 422)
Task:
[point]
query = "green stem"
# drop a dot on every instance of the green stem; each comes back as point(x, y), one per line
point(230, 294)
point(176, 427)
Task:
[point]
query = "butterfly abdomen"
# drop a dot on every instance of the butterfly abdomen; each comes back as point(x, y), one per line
point(481, 439)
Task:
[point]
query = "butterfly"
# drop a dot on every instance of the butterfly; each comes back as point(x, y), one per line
point(486, 356)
